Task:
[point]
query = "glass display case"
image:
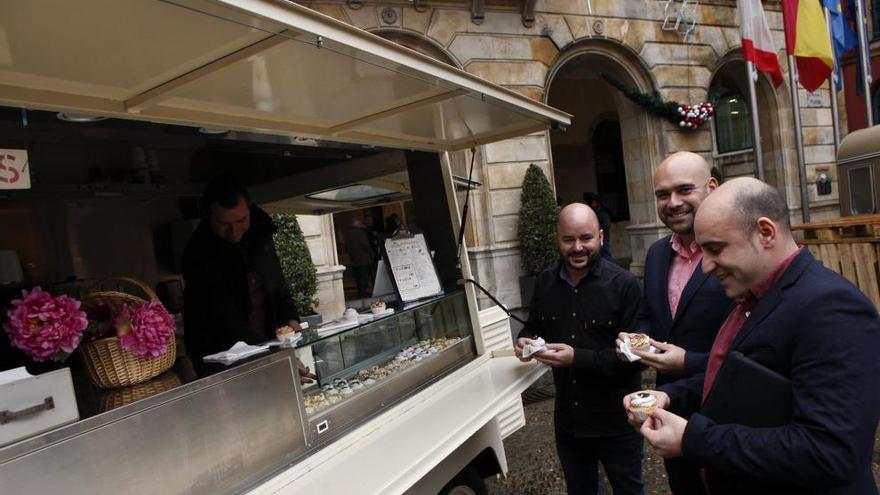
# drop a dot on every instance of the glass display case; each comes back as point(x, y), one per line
point(378, 360)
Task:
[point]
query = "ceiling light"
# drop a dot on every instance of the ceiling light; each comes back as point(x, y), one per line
point(79, 117)
point(212, 130)
point(356, 192)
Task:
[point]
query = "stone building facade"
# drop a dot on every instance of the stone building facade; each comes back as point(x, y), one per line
point(556, 51)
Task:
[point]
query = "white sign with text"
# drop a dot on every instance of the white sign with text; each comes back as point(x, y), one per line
point(14, 170)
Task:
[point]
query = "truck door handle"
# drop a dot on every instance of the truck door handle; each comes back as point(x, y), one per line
point(7, 416)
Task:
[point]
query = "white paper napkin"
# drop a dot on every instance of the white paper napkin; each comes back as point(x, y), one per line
point(626, 351)
point(235, 353)
point(536, 345)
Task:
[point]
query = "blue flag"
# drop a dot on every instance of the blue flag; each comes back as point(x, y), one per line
point(843, 39)
point(851, 11)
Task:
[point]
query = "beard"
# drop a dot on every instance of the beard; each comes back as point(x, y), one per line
point(680, 225)
point(592, 256)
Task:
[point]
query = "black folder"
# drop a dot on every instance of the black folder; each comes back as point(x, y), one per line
point(748, 393)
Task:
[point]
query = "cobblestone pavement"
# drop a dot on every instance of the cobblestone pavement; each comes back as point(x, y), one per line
point(533, 468)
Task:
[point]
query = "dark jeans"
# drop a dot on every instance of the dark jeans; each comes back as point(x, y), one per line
point(362, 278)
point(684, 477)
point(621, 456)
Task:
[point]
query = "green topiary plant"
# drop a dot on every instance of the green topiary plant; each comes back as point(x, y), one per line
point(296, 262)
point(537, 222)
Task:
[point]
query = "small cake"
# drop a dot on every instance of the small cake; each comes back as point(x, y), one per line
point(377, 307)
point(369, 381)
point(285, 334)
point(642, 405)
point(355, 384)
point(350, 314)
point(639, 341)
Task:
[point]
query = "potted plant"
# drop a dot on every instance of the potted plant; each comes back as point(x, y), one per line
point(538, 214)
point(297, 266)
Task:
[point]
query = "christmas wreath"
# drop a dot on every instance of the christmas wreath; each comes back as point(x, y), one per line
point(686, 116)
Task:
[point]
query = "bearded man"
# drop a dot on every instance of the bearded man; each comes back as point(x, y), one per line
point(579, 306)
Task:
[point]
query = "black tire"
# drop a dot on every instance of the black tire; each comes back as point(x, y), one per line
point(467, 482)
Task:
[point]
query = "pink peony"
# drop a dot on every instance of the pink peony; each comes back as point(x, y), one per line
point(146, 329)
point(44, 326)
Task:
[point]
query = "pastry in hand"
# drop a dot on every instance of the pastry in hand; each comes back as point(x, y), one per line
point(642, 405)
point(639, 341)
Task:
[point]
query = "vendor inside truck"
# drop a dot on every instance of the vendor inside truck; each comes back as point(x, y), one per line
point(235, 289)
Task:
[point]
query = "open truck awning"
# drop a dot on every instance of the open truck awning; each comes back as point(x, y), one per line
point(264, 65)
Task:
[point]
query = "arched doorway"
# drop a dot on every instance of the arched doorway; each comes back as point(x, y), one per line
point(612, 145)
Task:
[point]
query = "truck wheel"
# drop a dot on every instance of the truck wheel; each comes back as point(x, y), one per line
point(468, 482)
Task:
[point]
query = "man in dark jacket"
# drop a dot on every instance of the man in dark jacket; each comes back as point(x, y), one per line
point(235, 290)
point(682, 307)
point(798, 319)
point(578, 307)
point(360, 255)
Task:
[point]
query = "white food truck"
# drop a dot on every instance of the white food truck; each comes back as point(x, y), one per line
point(275, 74)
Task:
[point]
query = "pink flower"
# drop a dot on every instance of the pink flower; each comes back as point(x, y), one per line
point(44, 326)
point(146, 329)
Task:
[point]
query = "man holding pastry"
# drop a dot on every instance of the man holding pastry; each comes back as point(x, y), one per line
point(811, 336)
point(682, 307)
point(579, 306)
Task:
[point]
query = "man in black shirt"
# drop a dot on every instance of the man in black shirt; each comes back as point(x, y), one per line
point(579, 306)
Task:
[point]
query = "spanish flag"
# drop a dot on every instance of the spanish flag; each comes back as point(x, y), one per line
point(806, 37)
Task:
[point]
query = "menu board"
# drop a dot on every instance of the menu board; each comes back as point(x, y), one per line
point(412, 269)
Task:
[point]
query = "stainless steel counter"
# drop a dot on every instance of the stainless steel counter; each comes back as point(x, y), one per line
point(211, 429)
point(215, 435)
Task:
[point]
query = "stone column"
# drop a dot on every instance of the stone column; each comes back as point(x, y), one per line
point(320, 237)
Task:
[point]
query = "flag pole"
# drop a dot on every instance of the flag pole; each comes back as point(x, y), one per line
point(863, 56)
point(756, 126)
point(835, 116)
point(799, 139)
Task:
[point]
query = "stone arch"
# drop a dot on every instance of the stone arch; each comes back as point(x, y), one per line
point(576, 72)
point(418, 42)
point(771, 113)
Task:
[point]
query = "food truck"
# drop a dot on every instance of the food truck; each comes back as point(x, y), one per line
point(850, 245)
point(432, 383)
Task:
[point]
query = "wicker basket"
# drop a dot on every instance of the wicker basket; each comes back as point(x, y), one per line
point(107, 363)
point(118, 397)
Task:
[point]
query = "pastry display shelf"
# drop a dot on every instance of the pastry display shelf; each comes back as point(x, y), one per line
point(363, 369)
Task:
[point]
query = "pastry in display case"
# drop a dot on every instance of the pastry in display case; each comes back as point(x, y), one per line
point(363, 369)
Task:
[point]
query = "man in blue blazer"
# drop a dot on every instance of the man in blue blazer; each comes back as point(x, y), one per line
point(798, 319)
point(682, 307)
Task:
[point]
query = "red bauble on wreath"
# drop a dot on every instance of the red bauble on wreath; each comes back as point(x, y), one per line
point(696, 115)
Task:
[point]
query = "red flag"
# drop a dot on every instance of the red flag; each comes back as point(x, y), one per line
point(757, 44)
point(806, 37)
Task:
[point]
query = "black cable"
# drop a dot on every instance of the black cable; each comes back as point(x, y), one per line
point(461, 228)
point(464, 211)
point(461, 281)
